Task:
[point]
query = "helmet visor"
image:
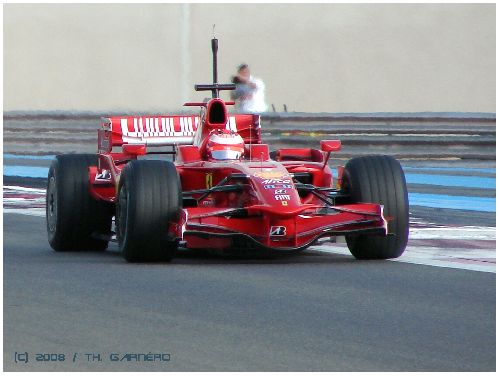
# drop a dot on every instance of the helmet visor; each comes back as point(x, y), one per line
point(225, 154)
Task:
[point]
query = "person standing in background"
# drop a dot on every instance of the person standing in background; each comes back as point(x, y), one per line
point(249, 93)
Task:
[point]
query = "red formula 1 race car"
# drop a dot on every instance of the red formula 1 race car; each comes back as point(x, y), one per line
point(223, 191)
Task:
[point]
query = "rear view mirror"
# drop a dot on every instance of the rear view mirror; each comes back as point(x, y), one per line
point(330, 145)
point(134, 149)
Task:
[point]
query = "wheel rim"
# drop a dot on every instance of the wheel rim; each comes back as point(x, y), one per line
point(52, 204)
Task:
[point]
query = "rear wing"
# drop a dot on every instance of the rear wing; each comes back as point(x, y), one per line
point(167, 130)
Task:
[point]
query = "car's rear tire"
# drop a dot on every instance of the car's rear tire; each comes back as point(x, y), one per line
point(74, 218)
point(379, 179)
point(149, 198)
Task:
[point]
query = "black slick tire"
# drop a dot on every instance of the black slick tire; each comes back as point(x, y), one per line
point(149, 199)
point(379, 179)
point(74, 218)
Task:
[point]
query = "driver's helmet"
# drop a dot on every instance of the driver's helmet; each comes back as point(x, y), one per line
point(224, 144)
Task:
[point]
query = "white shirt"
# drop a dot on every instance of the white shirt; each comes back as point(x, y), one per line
point(256, 101)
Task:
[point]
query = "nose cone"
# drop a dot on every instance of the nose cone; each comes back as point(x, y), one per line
point(276, 188)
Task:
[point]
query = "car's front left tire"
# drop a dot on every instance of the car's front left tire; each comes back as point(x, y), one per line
point(379, 179)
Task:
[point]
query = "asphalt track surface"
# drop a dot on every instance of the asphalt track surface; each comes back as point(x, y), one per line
point(318, 311)
point(313, 312)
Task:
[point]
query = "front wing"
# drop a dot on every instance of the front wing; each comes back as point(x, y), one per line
point(266, 227)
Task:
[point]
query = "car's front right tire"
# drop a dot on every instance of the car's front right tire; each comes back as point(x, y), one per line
point(149, 199)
